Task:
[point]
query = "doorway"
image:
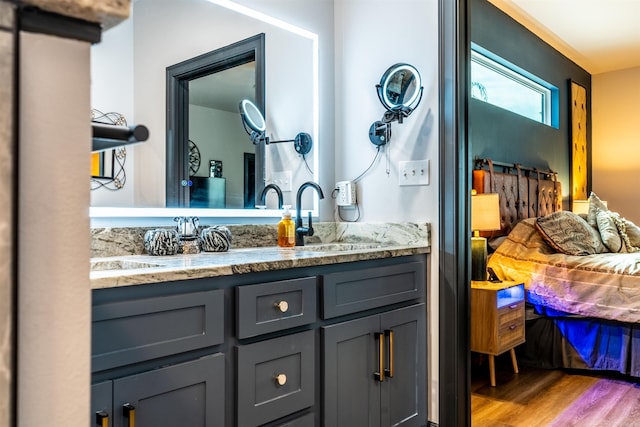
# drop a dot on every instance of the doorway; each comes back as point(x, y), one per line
point(454, 217)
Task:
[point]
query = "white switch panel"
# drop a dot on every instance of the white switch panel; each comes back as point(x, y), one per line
point(282, 180)
point(413, 172)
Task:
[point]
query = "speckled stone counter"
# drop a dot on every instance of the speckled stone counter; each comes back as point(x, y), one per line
point(108, 13)
point(343, 243)
point(140, 269)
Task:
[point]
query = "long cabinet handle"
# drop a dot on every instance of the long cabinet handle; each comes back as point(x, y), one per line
point(102, 419)
point(389, 335)
point(129, 412)
point(380, 374)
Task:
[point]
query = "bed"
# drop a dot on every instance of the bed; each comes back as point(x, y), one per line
point(583, 300)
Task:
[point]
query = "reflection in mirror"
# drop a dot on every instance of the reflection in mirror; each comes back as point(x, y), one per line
point(252, 118)
point(166, 32)
point(202, 98)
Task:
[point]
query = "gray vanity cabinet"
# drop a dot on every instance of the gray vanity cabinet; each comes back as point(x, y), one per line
point(284, 348)
point(185, 394)
point(374, 370)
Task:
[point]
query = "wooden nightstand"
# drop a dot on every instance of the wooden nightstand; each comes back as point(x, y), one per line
point(497, 320)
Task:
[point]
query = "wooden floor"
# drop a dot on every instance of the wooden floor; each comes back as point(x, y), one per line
point(538, 397)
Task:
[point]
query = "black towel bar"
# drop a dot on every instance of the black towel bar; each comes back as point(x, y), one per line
point(106, 137)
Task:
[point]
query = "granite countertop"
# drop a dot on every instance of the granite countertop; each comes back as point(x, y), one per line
point(116, 271)
point(107, 13)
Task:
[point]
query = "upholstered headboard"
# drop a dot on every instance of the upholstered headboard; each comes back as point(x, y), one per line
point(524, 192)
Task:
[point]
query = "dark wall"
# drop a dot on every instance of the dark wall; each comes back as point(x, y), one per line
point(505, 136)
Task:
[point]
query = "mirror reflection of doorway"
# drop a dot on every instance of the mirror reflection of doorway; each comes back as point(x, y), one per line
point(203, 97)
point(249, 180)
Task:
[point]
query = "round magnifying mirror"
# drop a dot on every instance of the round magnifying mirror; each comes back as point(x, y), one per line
point(252, 116)
point(400, 86)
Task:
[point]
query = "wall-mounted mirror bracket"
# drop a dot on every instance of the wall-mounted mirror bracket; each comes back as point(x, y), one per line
point(399, 91)
point(254, 124)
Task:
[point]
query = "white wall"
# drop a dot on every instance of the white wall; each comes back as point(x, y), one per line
point(209, 129)
point(112, 91)
point(615, 140)
point(372, 35)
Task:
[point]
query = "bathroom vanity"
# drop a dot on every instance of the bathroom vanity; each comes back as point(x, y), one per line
point(315, 336)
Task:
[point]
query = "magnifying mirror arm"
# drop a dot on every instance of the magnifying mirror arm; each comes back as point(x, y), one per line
point(400, 112)
point(259, 137)
point(302, 143)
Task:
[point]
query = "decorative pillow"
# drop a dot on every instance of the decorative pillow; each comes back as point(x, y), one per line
point(633, 232)
point(567, 233)
point(621, 224)
point(595, 204)
point(609, 231)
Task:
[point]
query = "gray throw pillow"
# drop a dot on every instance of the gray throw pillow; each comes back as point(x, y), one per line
point(567, 233)
point(595, 204)
point(609, 231)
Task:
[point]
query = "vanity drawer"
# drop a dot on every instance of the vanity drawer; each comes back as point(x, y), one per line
point(307, 420)
point(275, 378)
point(357, 290)
point(270, 307)
point(149, 328)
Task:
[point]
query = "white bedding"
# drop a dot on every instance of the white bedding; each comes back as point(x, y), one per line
point(605, 286)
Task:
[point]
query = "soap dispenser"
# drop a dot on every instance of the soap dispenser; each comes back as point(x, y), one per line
point(286, 230)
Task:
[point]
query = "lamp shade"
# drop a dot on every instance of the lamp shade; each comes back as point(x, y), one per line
point(580, 207)
point(485, 212)
point(485, 216)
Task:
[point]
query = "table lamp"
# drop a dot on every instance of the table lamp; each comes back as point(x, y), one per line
point(485, 216)
point(581, 207)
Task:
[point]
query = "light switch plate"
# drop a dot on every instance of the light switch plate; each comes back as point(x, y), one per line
point(413, 172)
point(282, 179)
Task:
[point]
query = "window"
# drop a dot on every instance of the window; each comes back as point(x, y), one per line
point(504, 85)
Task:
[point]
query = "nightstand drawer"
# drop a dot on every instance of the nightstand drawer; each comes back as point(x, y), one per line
point(510, 335)
point(511, 313)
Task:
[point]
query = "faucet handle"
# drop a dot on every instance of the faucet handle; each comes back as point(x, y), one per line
point(310, 232)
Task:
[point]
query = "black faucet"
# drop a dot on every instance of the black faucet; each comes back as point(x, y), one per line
point(263, 195)
point(300, 230)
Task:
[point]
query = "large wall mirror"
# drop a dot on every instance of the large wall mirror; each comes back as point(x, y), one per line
point(129, 76)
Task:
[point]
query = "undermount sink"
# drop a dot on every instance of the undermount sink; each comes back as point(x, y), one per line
point(120, 265)
point(337, 247)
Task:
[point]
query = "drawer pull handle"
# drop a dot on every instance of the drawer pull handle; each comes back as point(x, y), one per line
point(102, 419)
point(379, 376)
point(512, 306)
point(281, 379)
point(512, 327)
point(389, 334)
point(283, 306)
point(129, 412)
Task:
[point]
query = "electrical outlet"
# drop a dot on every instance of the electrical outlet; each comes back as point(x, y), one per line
point(282, 179)
point(413, 172)
point(346, 193)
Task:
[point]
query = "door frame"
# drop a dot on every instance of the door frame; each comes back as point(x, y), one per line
point(177, 116)
point(454, 214)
